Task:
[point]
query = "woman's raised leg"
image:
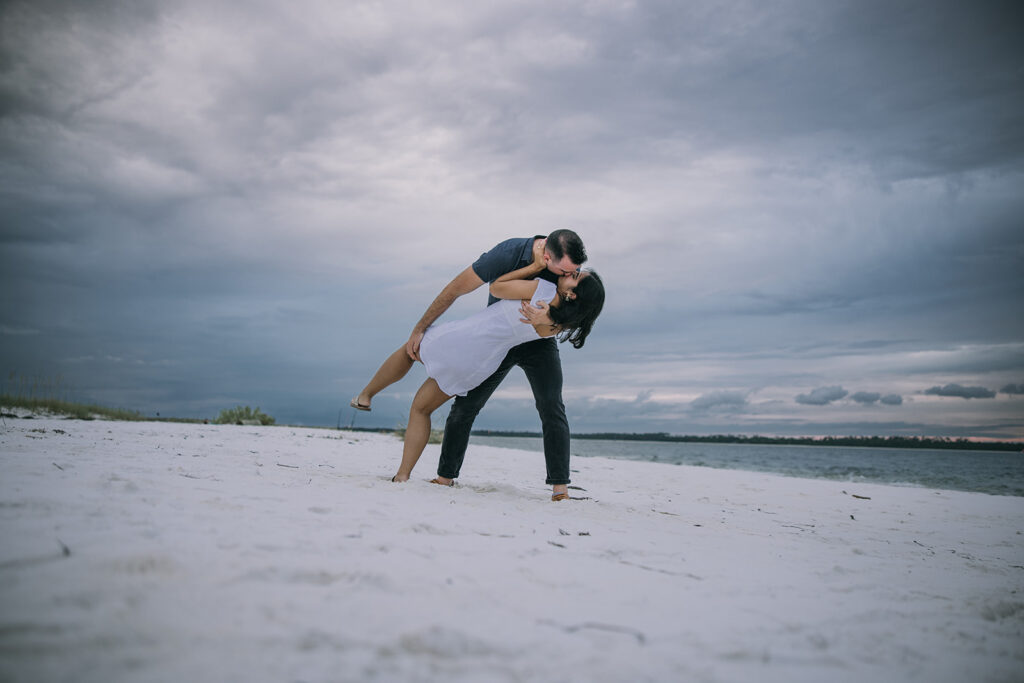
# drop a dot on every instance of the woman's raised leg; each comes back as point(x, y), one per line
point(394, 368)
point(428, 399)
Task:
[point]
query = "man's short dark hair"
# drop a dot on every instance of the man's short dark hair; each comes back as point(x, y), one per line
point(563, 243)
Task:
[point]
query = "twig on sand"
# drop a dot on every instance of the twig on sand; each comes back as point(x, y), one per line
point(293, 467)
point(592, 625)
point(32, 561)
point(928, 548)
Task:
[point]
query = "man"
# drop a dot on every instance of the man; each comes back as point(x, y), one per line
point(564, 254)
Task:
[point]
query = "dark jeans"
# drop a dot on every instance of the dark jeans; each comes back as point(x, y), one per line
point(539, 359)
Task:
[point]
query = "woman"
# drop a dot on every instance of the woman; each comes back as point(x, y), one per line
point(461, 354)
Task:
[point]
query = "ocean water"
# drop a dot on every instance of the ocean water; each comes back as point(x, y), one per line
point(995, 472)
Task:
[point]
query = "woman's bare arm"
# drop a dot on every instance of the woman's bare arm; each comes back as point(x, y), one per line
point(514, 285)
point(514, 289)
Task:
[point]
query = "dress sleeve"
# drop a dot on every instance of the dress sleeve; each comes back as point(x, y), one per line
point(545, 291)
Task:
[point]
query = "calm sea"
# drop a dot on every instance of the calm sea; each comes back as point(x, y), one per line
point(994, 472)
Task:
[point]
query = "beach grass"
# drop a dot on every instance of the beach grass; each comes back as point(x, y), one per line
point(71, 409)
point(51, 395)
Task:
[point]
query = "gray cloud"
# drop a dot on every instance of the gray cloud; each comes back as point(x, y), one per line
point(720, 400)
point(959, 391)
point(644, 396)
point(822, 396)
point(1013, 389)
point(872, 397)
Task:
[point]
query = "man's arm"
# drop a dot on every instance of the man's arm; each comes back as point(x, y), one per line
point(464, 283)
point(513, 285)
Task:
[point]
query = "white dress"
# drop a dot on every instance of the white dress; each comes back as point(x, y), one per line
point(461, 354)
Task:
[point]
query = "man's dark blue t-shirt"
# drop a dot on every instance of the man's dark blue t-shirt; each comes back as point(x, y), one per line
point(507, 256)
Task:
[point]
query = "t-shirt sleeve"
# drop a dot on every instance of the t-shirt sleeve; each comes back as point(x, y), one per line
point(502, 259)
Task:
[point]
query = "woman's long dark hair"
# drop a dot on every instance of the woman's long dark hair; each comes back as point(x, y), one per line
point(576, 318)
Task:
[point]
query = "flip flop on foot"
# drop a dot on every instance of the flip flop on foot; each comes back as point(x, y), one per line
point(435, 480)
point(358, 406)
point(560, 496)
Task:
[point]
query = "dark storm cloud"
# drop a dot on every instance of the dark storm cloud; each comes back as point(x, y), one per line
point(822, 396)
point(791, 69)
point(1013, 389)
point(959, 391)
point(883, 88)
point(243, 199)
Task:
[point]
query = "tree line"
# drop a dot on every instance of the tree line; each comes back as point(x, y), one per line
point(855, 441)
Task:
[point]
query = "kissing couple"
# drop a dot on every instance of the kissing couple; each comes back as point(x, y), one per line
point(538, 293)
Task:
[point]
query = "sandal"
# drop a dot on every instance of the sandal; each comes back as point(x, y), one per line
point(435, 480)
point(358, 406)
point(560, 496)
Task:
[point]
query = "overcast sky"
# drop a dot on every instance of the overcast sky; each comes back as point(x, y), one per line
point(808, 215)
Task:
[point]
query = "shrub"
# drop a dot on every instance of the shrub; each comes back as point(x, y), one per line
point(243, 415)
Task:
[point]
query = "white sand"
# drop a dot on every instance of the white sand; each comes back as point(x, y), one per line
point(221, 553)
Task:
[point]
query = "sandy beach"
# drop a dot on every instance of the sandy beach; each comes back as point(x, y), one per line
point(170, 552)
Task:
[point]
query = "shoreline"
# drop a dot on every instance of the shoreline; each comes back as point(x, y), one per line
point(900, 442)
point(992, 472)
point(160, 551)
point(1007, 485)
